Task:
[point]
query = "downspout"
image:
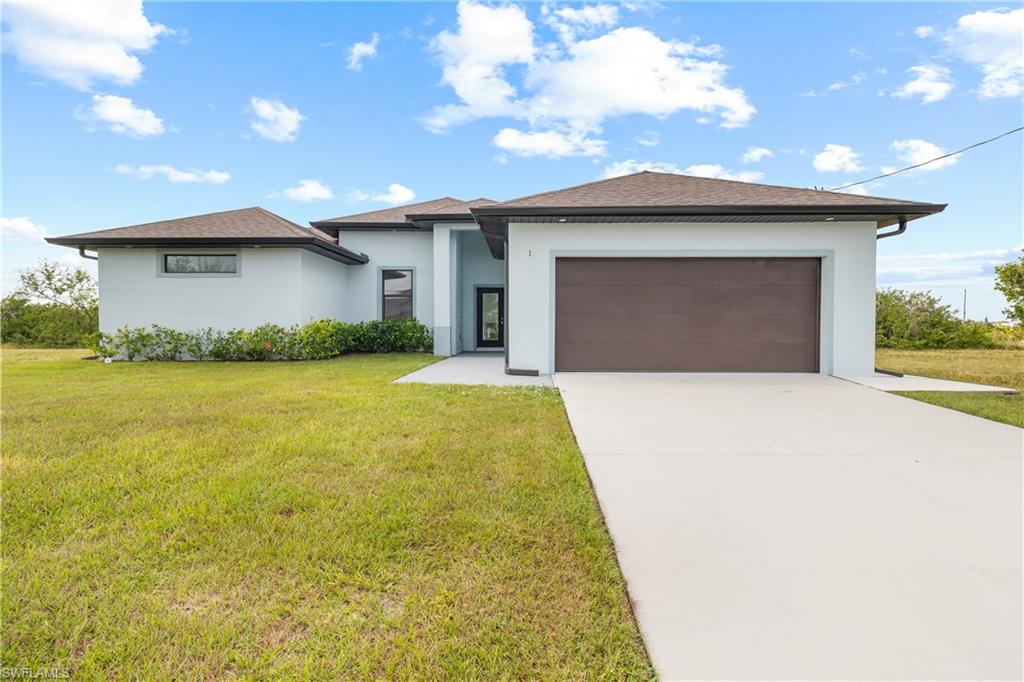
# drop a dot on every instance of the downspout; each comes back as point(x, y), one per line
point(83, 254)
point(900, 230)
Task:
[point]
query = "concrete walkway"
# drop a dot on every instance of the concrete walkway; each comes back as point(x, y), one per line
point(481, 369)
point(804, 527)
point(910, 382)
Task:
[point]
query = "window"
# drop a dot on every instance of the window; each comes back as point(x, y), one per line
point(196, 264)
point(396, 288)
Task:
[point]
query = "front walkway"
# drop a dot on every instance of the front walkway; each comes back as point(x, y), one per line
point(804, 527)
point(910, 382)
point(484, 369)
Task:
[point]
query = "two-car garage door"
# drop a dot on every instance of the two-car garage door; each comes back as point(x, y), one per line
point(687, 314)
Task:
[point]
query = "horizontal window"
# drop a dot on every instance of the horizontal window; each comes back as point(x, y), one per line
point(396, 287)
point(195, 264)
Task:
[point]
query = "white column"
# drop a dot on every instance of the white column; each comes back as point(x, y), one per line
point(442, 291)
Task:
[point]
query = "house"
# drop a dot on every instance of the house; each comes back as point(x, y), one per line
point(650, 271)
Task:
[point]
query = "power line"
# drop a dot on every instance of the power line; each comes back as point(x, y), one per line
point(925, 163)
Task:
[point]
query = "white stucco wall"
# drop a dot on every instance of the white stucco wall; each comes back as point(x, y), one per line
point(268, 288)
point(324, 292)
point(389, 249)
point(847, 251)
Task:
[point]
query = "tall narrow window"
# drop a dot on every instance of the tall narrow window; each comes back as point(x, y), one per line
point(396, 288)
point(196, 264)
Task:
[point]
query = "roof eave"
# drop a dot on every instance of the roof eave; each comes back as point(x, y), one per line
point(336, 227)
point(332, 251)
point(726, 210)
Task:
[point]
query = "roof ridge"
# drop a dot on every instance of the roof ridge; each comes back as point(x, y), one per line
point(294, 227)
point(571, 187)
point(772, 184)
point(348, 218)
point(168, 220)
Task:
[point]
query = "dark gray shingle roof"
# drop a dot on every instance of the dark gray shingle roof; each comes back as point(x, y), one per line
point(254, 225)
point(649, 189)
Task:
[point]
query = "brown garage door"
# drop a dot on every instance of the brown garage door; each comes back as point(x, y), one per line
point(687, 314)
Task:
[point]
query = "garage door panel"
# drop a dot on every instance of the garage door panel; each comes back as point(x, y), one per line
point(683, 299)
point(641, 329)
point(687, 314)
point(675, 271)
point(689, 357)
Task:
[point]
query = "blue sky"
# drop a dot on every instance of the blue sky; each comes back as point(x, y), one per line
point(138, 113)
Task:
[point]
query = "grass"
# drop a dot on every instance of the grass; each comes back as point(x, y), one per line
point(313, 520)
point(993, 367)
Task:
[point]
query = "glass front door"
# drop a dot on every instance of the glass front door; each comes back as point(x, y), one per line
point(490, 317)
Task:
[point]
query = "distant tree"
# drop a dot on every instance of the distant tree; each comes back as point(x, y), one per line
point(58, 284)
point(917, 319)
point(55, 305)
point(1010, 283)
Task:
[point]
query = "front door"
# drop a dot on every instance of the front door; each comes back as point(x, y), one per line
point(490, 317)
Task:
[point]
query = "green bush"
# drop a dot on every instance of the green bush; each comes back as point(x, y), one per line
point(311, 341)
point(390, 336)
point(917, 319)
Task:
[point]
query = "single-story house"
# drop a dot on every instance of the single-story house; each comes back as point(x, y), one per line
point(650, 271)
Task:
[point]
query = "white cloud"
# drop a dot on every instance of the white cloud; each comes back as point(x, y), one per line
point(79, 43)
point(172, 174)
point(570, 90)
point(837, 157)
point(396, 194)
point(474, 59)
point(994, 41)
point(632, 71)
point(930, 81)
point(275, 120)
point(859, 190)
point(309, 190)
point(649, 138)
point(121, 116)
point(924, 31)
point(755, 154)
point(943, 268)
point(713, 170)
point(569, 22)
point(913, 152)
point(22, 228)
point(704, 170)
point(549, 143)
point(360, 52)
point(855, 79)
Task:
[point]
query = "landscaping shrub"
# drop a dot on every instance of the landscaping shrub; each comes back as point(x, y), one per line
point(390, 336)
point(917, 319)
point(311, 341)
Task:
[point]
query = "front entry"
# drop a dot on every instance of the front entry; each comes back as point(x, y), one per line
point(490, 317)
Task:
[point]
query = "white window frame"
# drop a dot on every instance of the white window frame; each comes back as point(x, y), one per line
point(380, 288)
point(161, 261)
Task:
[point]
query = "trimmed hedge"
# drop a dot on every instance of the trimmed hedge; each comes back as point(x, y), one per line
point(311, 341)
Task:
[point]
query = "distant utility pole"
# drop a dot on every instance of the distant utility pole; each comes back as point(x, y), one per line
point(965, 305)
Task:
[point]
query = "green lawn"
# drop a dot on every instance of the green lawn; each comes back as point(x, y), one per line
point(313, 520)
point(994, 367)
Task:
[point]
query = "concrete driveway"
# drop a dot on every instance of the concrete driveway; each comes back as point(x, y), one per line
point(806, 527)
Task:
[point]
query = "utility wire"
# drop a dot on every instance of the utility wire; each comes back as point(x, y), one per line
point(925, 163)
